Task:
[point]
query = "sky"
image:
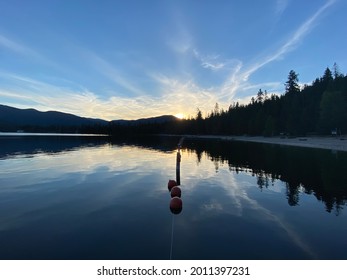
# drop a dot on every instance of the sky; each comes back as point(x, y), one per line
point(131, 59)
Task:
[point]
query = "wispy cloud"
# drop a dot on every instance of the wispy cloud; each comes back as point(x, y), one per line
point(300, 33)
point(209, 61)
point(294, 39)
point(29, 54)
point(179, 39)
point(175, 97)
point(13, 46)
point(184, 96)
point(112, 73)
point(239, 78)
point(18, 48)
point(45, 96)
point(280, 7)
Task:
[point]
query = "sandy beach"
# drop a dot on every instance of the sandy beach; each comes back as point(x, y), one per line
point(330, 143)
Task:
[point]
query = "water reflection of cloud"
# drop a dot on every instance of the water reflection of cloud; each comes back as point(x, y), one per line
point(293, 235)
point(237, 188)
point(86, 180)
point(214, 205)
point(87, 160)
point(267, 214)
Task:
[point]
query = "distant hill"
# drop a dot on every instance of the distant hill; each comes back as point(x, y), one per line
point(152, 120)
point(13, 119)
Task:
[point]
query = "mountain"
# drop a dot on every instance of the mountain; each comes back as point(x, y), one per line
point(152, 120)
point(13, 119)
point(31, 120)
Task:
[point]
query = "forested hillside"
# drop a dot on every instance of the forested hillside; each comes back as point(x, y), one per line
point(319, 108)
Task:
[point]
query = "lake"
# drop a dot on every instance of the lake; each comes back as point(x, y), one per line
point(99, 198)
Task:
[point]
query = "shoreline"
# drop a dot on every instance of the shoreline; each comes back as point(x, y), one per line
point(328, 143)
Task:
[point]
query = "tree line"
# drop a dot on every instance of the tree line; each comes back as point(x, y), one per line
point(319, 108)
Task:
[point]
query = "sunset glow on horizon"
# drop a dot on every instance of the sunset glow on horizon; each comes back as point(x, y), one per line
point(130, 60)
point(180, 116)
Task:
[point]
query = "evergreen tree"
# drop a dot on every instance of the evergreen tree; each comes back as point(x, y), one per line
point(260, 96)
point(327, 76)
point(198, 114)
point(336, 71)
point(292, 85)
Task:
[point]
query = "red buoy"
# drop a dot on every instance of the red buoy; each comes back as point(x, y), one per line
point(176, 192)
point(171, 184)
point(176, 205)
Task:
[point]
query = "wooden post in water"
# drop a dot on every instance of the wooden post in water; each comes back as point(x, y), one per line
point(178, 162)
point(178, 167)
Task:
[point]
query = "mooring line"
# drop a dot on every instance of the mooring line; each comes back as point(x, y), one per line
point(172, 235)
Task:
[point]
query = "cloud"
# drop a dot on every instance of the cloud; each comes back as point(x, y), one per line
point(175, 97)
point(18, 48)
point(179, 40)
point(29, 54)
point(294, 39)
point(300, 33)
point(13, 46)
point(280, 6)
point(44, 96)
point(212, 66)
point(239, 77)
point(108, 70)
point(210, 61)
point(184, 96)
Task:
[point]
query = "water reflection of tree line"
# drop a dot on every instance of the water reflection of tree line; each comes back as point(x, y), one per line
point(321, 173)
point(30, 145)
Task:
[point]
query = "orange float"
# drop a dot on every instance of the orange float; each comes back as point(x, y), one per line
point(171, 184)
point(176, 192)
point(176, 205)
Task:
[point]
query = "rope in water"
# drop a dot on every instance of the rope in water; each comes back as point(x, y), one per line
point(172, 236)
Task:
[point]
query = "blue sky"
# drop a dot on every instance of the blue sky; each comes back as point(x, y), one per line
point(132, 59)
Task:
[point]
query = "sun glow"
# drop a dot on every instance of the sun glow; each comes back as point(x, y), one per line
point(179, 116)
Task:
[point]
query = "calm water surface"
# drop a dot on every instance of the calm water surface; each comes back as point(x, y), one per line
point(93, 198)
